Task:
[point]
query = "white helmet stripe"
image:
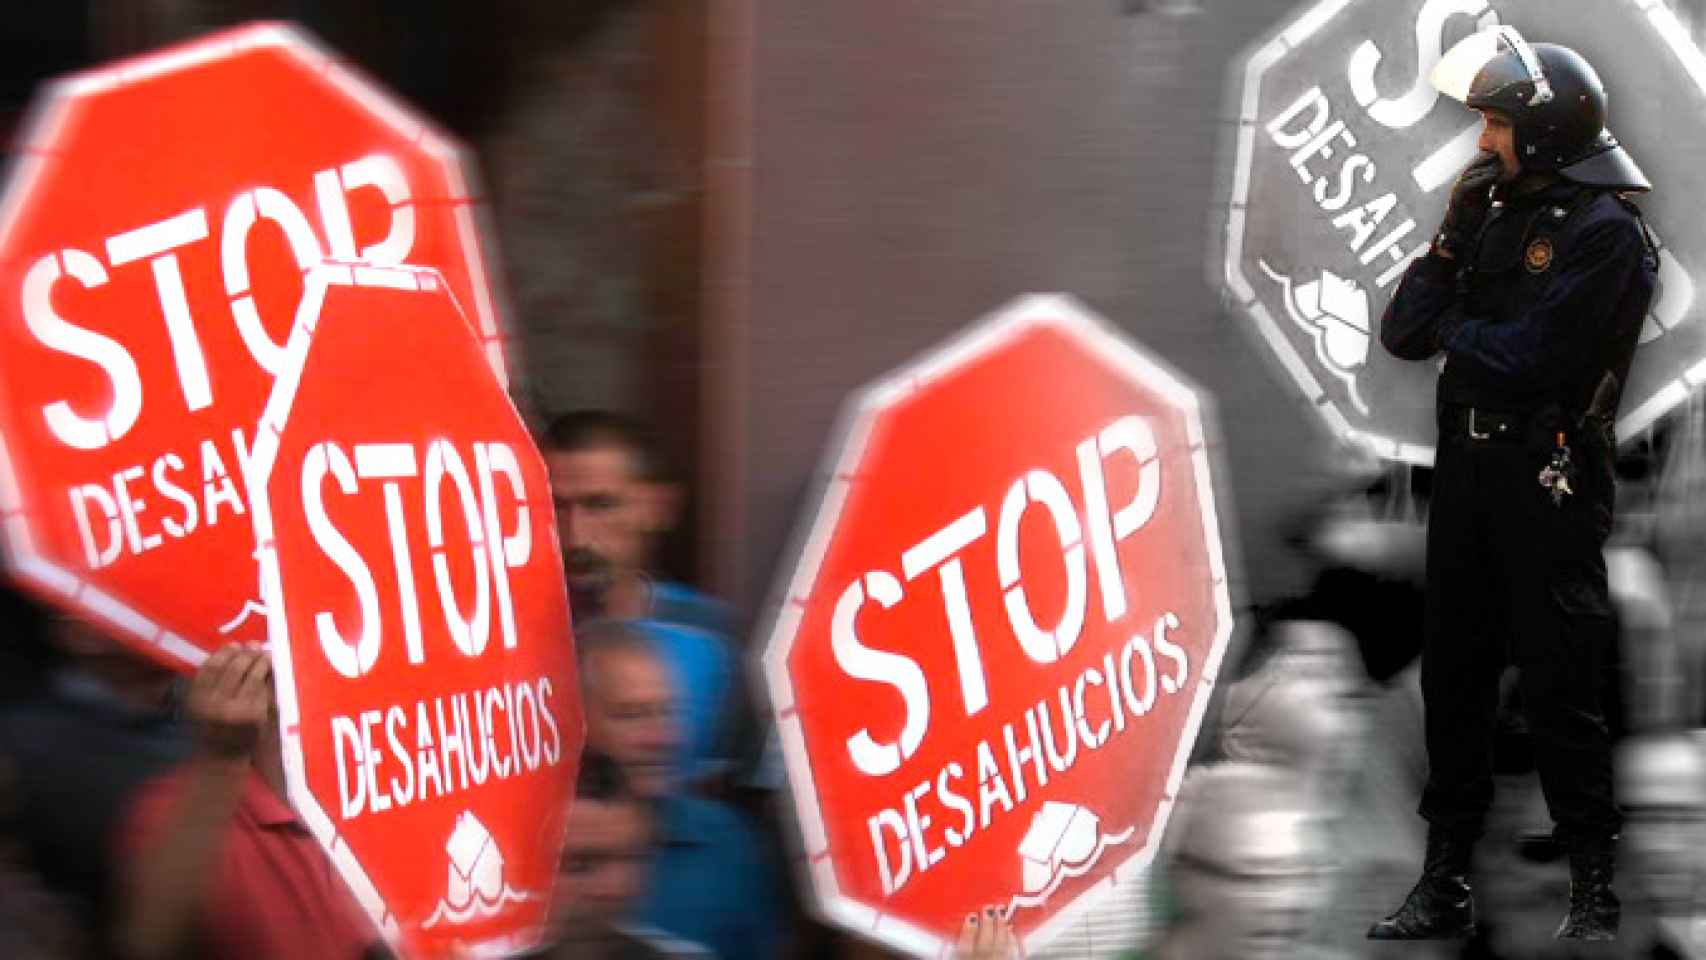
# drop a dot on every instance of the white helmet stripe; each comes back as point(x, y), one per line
point(1530, 62)
point(1455, 73)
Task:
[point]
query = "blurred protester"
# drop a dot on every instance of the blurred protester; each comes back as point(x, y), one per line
point(1295, 714)
point(1365, 543)
point(1243, 869)
point(92, 723)
point(1662, 786)
point(712, 881)
point(1302, 716)
point(615, 502)
point(1653, 677)
point(1651, 657)
point(35, 923)
point(1365, 540)
point(1679, 510)
point(602, 874)
point(217, 864)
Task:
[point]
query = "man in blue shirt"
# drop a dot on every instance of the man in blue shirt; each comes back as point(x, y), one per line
point(601, 874)
point(712, 882)
point(615, 502)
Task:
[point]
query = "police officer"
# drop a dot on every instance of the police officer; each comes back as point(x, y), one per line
point(1535, 290)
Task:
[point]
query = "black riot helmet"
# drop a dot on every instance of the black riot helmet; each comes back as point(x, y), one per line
point(1554, 99)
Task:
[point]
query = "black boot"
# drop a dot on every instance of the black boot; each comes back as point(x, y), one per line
point(1440, 906)
point(1594, 908)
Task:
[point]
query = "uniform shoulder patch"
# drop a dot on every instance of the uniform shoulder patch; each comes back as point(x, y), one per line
point(1538, 258)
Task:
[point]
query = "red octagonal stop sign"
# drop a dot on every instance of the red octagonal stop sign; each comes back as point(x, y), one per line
point(417, 615)
point(153, 240)
point(992, 657)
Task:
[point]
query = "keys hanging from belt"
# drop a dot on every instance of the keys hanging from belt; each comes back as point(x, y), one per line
point(1555, 476)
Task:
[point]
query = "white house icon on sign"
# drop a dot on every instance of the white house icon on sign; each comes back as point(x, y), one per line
point(1065, 840)
point(475, 888)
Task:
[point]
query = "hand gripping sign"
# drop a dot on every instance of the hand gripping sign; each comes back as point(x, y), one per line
point(991, 658)
point(153, 239)
point(417, 614)
point(1345, 158)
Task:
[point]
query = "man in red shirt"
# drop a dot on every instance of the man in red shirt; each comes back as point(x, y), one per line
point(216, 863)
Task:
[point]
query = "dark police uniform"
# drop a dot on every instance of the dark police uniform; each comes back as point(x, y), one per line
point(1538, 321)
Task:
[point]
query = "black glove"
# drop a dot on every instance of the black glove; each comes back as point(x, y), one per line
point(1471, 198)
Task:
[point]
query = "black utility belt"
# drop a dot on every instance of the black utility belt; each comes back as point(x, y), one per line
point(1481, 425)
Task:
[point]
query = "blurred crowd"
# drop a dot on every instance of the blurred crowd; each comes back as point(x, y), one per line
point(142, 814)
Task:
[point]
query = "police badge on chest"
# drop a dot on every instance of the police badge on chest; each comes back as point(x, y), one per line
point(1538, 257)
